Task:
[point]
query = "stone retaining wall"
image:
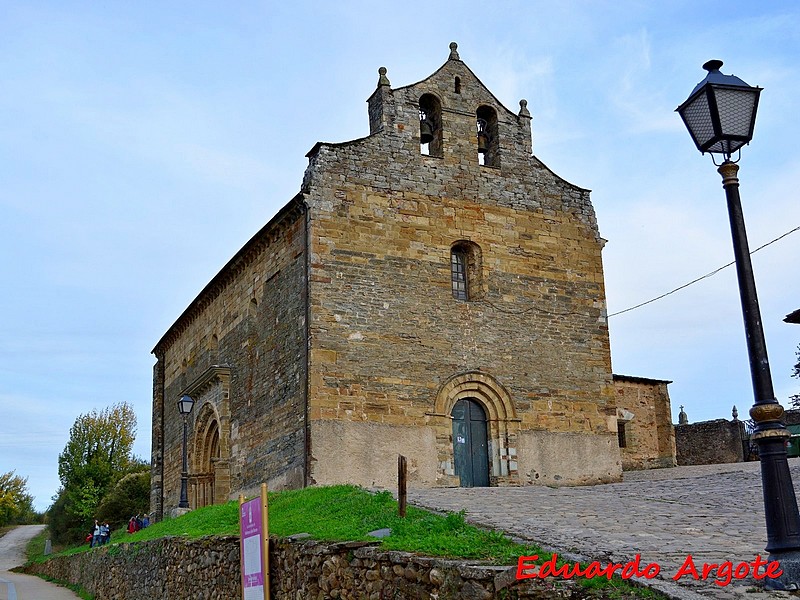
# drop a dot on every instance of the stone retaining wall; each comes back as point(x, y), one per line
point(208, 569)
point(710, 442)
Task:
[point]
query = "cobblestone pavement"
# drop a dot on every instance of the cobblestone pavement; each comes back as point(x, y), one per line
point(713, 512)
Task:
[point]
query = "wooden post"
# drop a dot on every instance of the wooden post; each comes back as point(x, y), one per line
point(254, 545)
point(265, 528)
point(402, 479)
point(241, 544)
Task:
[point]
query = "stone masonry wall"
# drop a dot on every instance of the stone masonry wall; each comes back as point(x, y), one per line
point(332, 342)
point(239, 350)
point(387, 335)
point(208, 569)
point(791, 417)
point(643, 409)
point(709, 442)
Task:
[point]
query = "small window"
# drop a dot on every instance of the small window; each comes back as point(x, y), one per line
point(466, 270)
point(621, 437)
point(458, 270)
point(458, 85)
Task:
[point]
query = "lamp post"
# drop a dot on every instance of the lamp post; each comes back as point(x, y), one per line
point(185, 405)
point(720, 115)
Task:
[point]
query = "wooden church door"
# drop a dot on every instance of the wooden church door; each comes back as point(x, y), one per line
point(470, 445)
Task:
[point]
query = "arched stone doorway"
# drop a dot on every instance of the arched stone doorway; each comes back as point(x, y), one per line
point(502, 426)
point(209, 456)
point(470, 443)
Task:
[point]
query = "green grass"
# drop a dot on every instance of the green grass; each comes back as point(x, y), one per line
point(34, 550)
point(348, 513)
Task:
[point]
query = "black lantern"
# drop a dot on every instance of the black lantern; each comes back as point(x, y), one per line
point(185, 405)
point(721, 112)
point(720, 115)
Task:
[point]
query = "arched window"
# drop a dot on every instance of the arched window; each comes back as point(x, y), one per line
point(488, 140)
point(465, 270)
point(458, 270)
point(430, 125)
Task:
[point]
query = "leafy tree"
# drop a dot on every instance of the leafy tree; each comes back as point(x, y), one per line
point(64, 525)
point(16, 504)
point(130, 497)
point(97, 455)
point(99, 447)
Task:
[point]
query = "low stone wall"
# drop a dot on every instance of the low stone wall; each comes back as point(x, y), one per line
point(791, 417)
point(173, 568)
point(709, 442)
point(208, 569)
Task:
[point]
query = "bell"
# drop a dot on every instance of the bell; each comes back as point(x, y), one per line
point(483, 143)
point(425, 132)
point(483, 137)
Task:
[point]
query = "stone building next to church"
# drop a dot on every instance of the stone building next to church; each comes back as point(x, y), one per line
point(644, 423)
point(433, 290)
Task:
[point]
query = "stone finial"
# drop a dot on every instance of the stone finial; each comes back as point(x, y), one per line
point(735, 413)
point(383, 79)
point(523, 108)
point(683, 418)
point(453, 51)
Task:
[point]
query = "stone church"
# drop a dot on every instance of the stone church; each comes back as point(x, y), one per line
point(434, 290)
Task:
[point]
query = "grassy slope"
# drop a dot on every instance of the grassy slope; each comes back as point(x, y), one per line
point(349, 514)
point(340, 513)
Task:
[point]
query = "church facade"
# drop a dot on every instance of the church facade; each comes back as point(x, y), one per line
point(434, 290)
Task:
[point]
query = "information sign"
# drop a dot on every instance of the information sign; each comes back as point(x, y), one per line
point(253, 527)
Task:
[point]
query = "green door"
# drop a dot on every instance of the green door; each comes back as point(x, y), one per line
point(793, 446)
point(470, 444)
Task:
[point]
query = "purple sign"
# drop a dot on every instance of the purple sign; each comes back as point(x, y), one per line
point(250, 525)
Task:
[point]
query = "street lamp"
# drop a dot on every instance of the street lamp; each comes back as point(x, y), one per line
point(720, 114)
point(185, 405)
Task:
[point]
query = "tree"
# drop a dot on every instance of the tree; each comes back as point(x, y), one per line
point(97, 455)
point(129, 497)
point(16, 504)
point(99, 447)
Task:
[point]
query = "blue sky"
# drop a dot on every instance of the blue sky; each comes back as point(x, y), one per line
point(141, 144)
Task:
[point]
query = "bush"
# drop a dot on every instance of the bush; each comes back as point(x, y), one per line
point(64, 525)
point(129, 497)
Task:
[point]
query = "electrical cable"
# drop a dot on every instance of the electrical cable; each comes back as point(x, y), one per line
point(706, 276)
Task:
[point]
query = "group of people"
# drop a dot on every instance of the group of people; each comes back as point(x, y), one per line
point(136, 523)
point(100, 534)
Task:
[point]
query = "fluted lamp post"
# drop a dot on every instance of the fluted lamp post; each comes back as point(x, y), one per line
point(185, 405)
point(720, 115)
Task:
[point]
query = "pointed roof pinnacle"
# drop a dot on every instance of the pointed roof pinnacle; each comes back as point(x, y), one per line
point(383, 80)
point(453, 51)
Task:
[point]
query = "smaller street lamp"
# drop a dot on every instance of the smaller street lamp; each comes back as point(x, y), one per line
point(720, 115)
point(185, 405)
